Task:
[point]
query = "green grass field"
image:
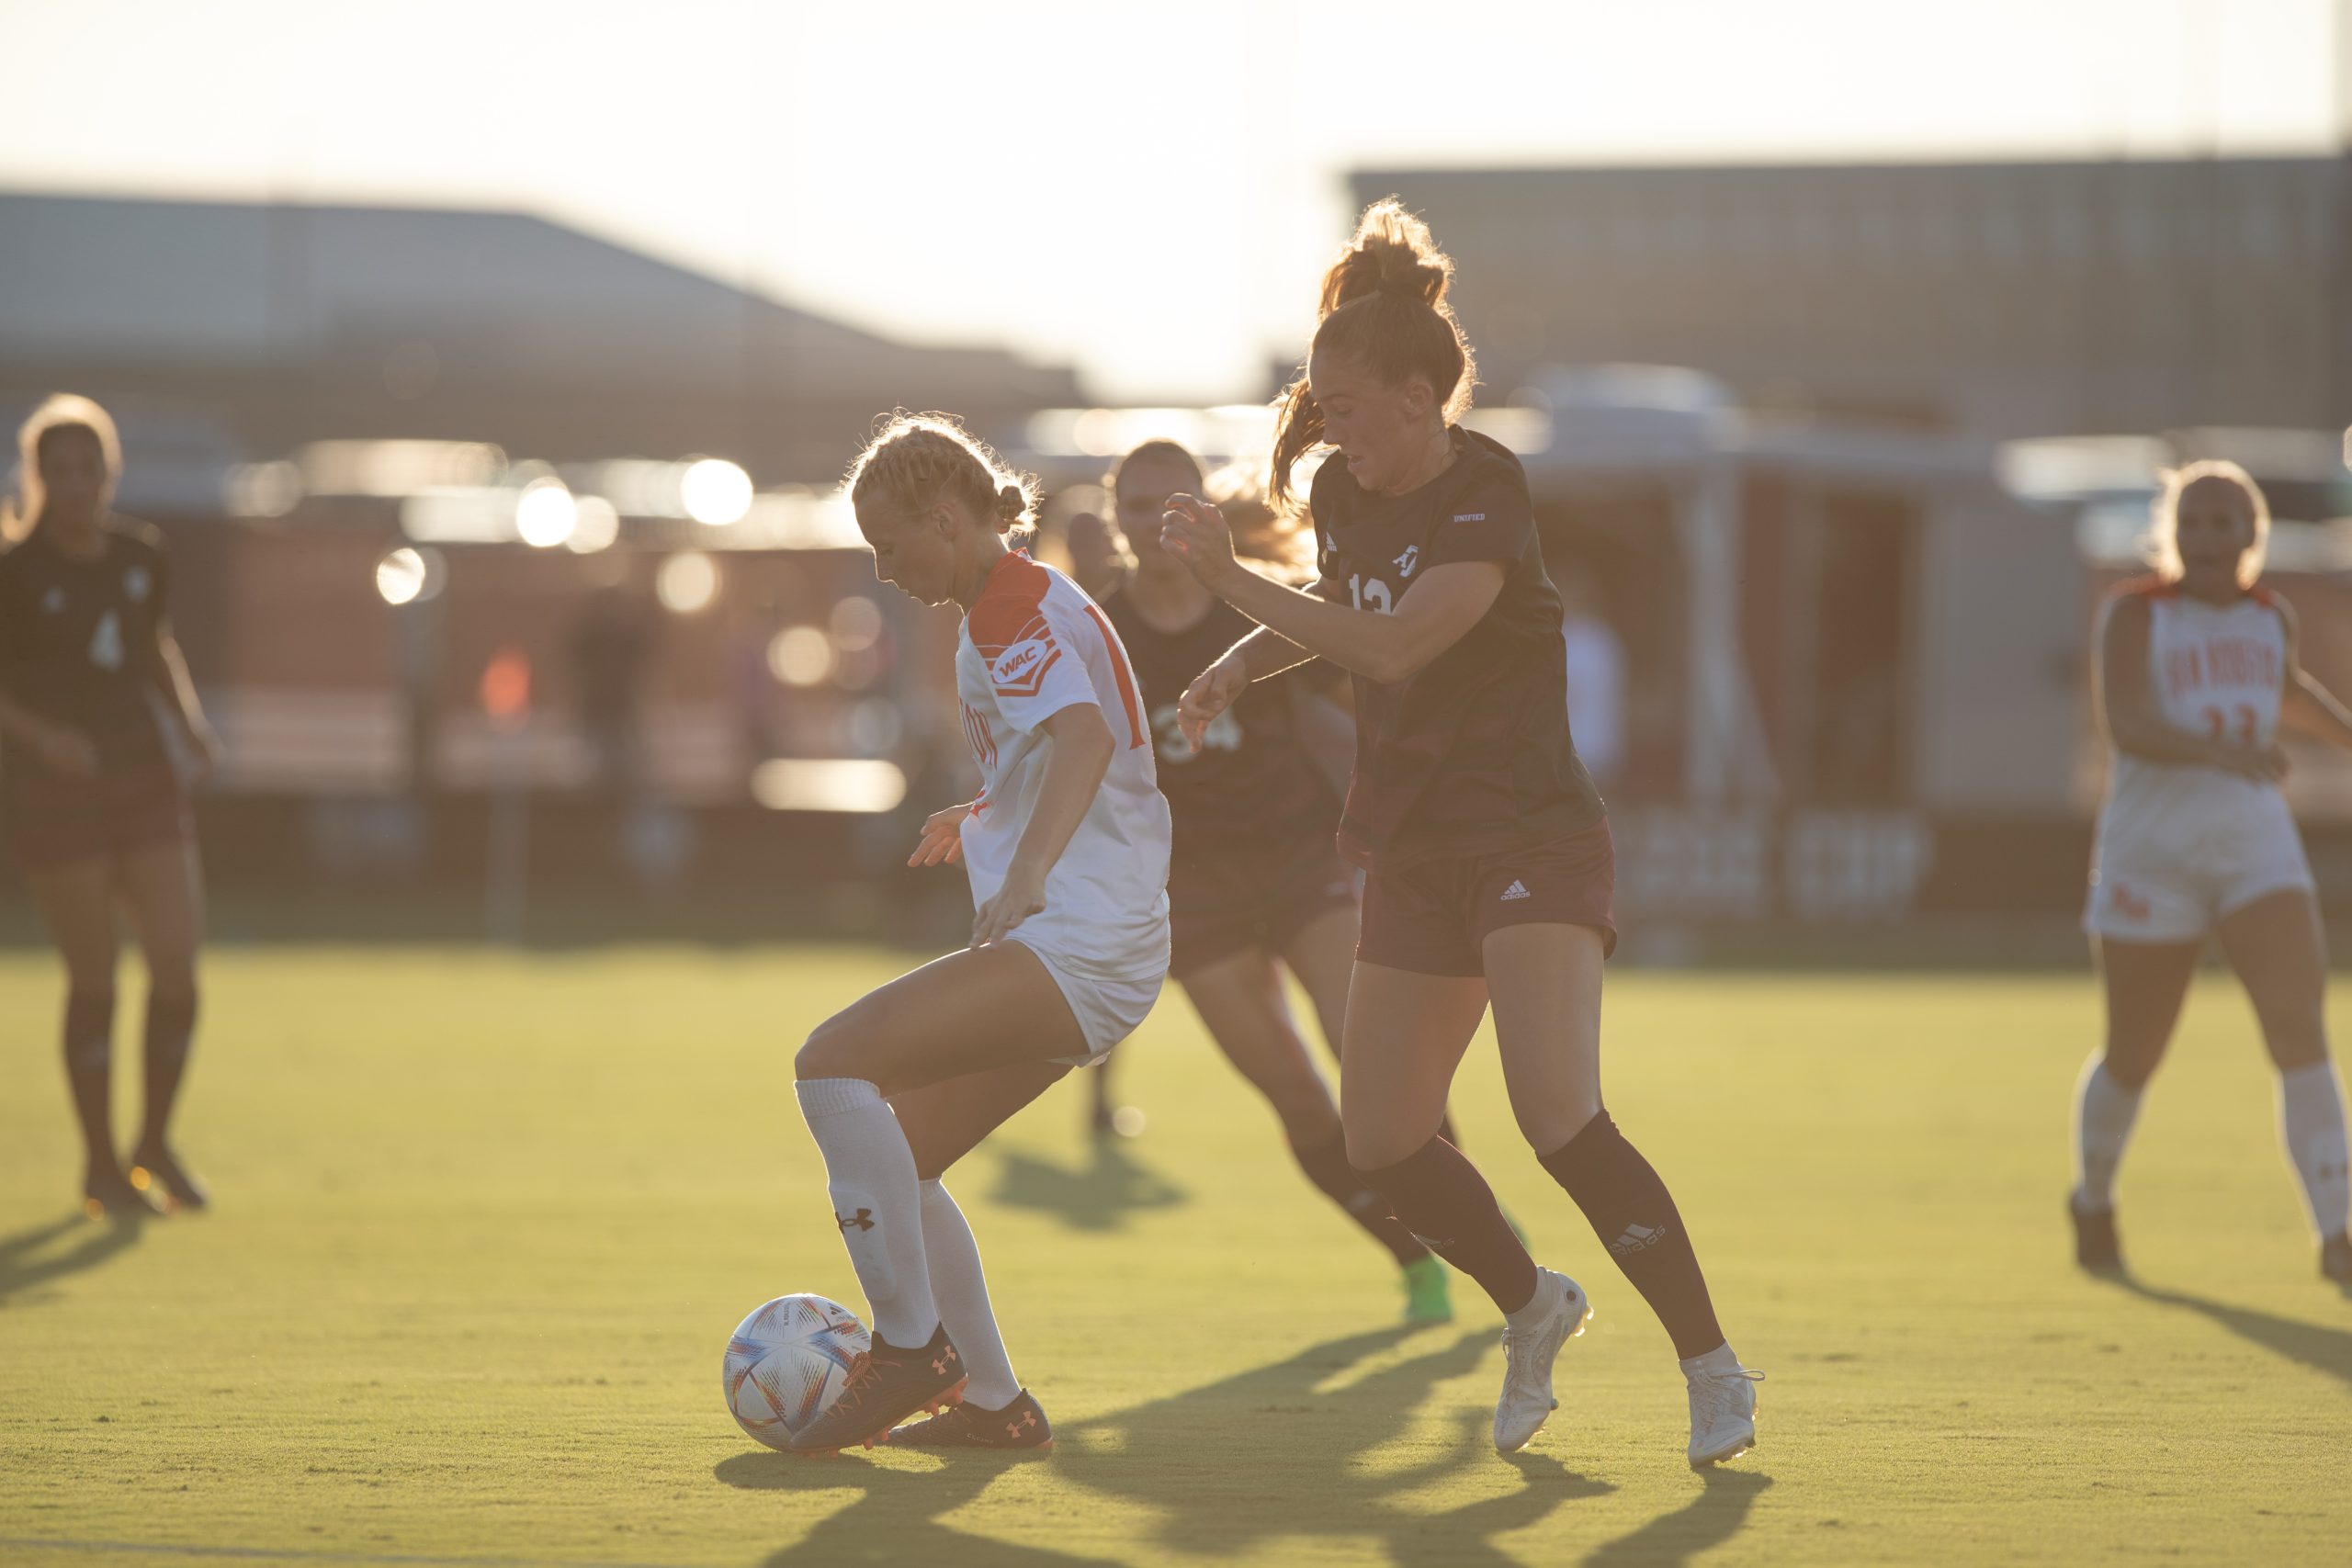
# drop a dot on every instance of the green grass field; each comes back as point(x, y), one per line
point(484, 1222)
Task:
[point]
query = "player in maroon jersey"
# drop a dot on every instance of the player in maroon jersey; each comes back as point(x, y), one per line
point(102, 737)
point(1489, 864)
point(1254, 884)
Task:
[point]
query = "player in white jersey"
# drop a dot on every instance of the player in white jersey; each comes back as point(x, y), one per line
point(2198, 670)
point(1066, 847)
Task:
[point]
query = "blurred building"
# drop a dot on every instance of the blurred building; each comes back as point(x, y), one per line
point(1996, 298)
point(220, 327)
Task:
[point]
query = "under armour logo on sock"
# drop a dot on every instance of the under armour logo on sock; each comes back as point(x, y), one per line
point(863, 1220)
point(1638, 1237)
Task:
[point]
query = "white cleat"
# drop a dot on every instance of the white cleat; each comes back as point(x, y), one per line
point(1723, 1414)
point(1527, 1403)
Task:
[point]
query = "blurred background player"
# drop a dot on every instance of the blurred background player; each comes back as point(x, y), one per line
point(1489, 852)
point(1254, 883)
point(2197, 670)
point(104, 740)
point(1066, 847)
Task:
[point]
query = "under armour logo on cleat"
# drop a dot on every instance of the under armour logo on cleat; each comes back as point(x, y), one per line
point(944, 1361)
point(1637, 1237)
point(863, 1220)
point(1516, 890)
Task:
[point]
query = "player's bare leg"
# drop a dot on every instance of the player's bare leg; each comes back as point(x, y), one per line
point(1545, 980)
point(971, 1013)
point(78, 902)
point(2144, 984)
point(163, 889)
point(1241, 1000)
point(2276, 945)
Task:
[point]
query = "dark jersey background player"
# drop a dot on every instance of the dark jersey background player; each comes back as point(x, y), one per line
point(1254, 883)
point(103, 736)
point(1489, 864)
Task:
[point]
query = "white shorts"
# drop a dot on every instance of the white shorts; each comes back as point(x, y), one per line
point(1111, 997)
point(2165, 877)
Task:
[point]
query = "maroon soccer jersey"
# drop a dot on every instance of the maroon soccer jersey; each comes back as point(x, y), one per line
point(1252, 778)
point(1472, 753)
point(77, 641)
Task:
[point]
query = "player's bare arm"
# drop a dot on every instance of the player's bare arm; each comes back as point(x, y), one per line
point(2306, 707)
point(170, 670)
point(2127, 706)
point(1444, 604)
point(1083, 748)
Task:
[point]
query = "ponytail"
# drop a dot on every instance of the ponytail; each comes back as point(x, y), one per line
point(1383, 303)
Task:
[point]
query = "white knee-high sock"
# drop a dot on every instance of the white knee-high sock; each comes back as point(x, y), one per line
point(871, 1175)
point(2311, 1117)
point(962, 1290)
point(2104, 1111)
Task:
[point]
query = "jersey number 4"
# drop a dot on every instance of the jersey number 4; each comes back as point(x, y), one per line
point(106, 642)
point(2217, 723)
point(1369, 593)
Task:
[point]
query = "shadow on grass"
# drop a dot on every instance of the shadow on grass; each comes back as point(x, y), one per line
point(1096, 1196)
point(1706, 1522)
point(1198, 1464)
point(2321, 1349)
point(21, 1269)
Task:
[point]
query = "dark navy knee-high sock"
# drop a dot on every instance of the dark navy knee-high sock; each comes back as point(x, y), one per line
point(89, 1068)
point(1447, 1204)
point(1634, 1216)
point(171, 1032)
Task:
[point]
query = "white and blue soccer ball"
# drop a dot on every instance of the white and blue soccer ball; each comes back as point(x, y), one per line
point(786, 1362)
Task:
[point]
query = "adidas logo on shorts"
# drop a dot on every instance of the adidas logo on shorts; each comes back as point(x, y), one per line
point(1518, 889)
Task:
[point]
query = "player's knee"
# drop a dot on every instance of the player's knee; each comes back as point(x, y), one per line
point(830, 1052)
point(1375, 1149)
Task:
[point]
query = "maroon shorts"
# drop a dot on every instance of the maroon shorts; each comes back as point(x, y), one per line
point(1431, 917)
point(1251, 894)
point(54, 822)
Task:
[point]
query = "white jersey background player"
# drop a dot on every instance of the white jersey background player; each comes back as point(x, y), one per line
point(1067, 852)
point(2197, 672)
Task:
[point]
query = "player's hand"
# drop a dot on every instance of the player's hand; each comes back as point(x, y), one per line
point(1022, 895)
point(1195, 533)
point(67, 752)
point(941, 842)
point(1213, 690)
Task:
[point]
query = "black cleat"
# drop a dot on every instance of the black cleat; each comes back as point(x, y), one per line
point(1019, 1426)
point(886, 1386)
point(154, 1165)
point(2096, 1247)
point(2336, 1258)
point(107, 1194)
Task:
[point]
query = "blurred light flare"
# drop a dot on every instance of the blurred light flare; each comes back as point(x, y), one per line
point(715, 492)
point(800, 656)
point(596, 524)
point(863, 785)
point(545, 514)
point(856, 624)
point(688, 583)
point(400, 576)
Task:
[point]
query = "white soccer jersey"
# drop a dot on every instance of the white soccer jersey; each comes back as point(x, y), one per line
point(2181, 843)
point(1032, 645)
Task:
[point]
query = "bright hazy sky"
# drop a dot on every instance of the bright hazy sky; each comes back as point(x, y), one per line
point(1148, 190)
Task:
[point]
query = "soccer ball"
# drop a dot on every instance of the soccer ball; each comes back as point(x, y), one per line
point(786, 1362)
